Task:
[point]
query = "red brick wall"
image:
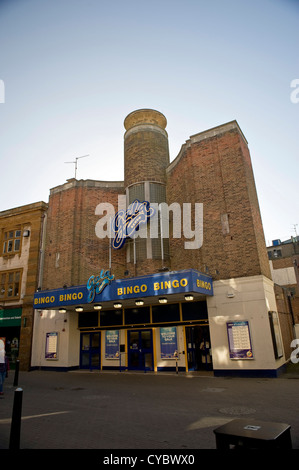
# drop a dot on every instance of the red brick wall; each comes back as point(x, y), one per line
point(71, 235)
point(146, 152)
point(213, 169)
point(216, 171)
point(146, 157)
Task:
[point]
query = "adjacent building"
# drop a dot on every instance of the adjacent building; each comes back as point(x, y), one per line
point(21, 247)
point(284, 265)
point(167, 269)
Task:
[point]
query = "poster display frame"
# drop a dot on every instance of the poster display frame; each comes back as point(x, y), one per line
point(168, 342)
point(112, 348)
point(51, 347)
point(239, 340)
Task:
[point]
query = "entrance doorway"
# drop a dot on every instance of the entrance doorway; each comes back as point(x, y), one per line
point(140, 350)
point(198, 348)
point(90, 351)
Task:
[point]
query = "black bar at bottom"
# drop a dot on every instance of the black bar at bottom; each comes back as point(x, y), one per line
point(16, 377)
point(15, 430)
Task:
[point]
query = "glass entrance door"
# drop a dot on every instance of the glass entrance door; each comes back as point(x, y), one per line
point(90, 351)
point(198, 348)
point(140, 350)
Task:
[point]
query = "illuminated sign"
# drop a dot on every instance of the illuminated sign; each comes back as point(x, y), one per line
point(126, 223)
point(102, 289)
point(96, 284)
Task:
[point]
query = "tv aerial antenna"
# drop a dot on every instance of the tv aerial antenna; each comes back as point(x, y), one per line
point(76, 163)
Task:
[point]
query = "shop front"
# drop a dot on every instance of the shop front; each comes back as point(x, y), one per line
point(10, 328)
point(149, 323)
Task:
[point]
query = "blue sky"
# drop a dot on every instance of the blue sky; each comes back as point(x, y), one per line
point(74, 69)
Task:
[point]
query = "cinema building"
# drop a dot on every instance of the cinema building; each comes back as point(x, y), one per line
point(181, 282)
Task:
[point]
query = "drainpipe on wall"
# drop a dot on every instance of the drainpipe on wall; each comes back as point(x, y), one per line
point(42, 250)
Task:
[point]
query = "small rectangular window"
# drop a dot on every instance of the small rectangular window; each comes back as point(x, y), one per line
point(12, 241)
point(10, 282)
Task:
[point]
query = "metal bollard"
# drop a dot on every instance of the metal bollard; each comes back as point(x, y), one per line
point(16, 378)
point(15, 430)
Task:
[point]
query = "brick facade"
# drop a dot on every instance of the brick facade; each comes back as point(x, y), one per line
point(74, 252)
point(212, 168)
point(30, 217)
point(146, 150)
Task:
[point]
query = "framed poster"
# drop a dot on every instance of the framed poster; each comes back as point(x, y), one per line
point(51, 346)
point(239, 340)
point(112, 344)
point(168, 342)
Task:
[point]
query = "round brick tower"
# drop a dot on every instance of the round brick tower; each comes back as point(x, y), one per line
point(145, 147)
point(146, 157)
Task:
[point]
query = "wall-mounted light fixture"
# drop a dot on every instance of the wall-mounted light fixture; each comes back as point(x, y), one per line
point(230, 294)
point(97, 307)
point(117, 305)
point(139, 302)
point(189, 297)
point(163, 300)
point(62, 310)
point(79, 309)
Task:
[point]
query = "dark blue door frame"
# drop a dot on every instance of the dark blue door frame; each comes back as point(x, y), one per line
point(198, 347)
point(140, 350)
point(90, 350)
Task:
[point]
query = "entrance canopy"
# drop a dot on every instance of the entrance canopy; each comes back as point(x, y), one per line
point(103, 287)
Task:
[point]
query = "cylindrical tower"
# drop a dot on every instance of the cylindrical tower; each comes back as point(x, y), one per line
point(146, 156)
point(146, 150)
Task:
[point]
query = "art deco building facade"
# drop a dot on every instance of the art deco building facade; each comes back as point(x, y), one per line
point(190, 289)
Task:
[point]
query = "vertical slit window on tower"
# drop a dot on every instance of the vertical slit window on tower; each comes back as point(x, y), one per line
point(136, 192)
point(157, 192)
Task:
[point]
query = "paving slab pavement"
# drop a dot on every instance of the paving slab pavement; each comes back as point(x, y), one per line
point(122, 410)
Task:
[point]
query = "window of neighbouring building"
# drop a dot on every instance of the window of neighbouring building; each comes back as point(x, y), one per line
point(11, 241)
point(10, 284)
